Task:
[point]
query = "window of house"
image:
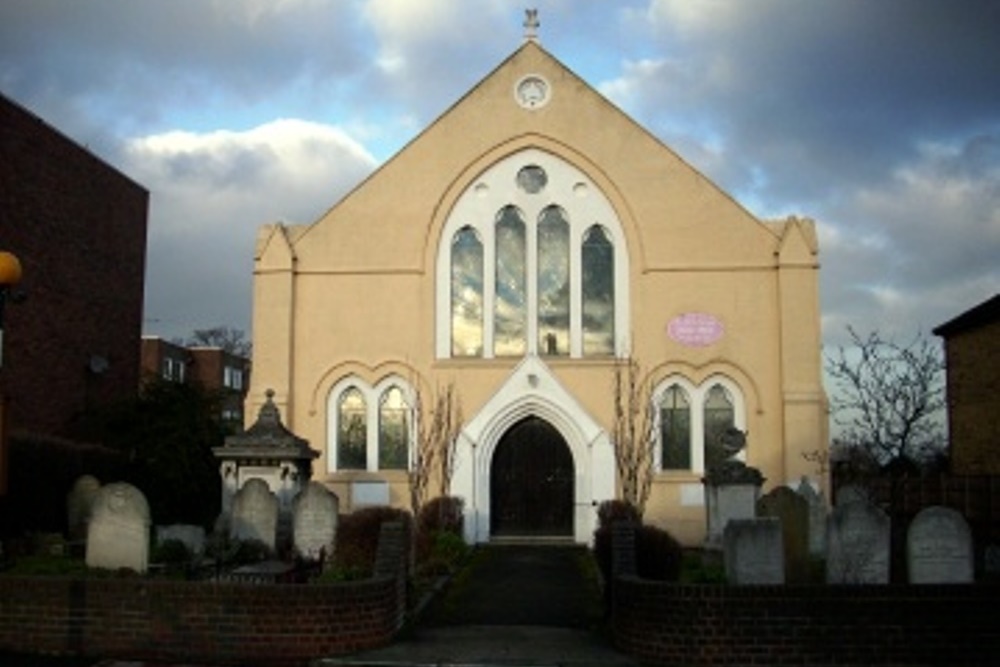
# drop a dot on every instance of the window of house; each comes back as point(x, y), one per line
point(371, 428)
point(692, 419)
point(532, 261)
point(232, 378)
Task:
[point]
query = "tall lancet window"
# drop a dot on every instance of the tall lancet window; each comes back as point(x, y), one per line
point(719, 416)
point(510, 316)
point(466, 294)
point(553, 282)
point(393, 430)
point(352, 432)
point(598, 260)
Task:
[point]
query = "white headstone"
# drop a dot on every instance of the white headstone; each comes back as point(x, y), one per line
point(754, 553)
point(857, 539)
point(79, 502)
point(939, 548)
point(118, 532)
point(314, 522)
point(255, 513)
point(731, 502)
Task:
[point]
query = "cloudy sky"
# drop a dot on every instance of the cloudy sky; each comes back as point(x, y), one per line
point(878, 118)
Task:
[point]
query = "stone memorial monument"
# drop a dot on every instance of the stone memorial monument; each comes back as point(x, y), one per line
point(314, 521)
point(753, 552)
point(857, 538)
point(269, 452)
point(118, 532)
point(731, 489)
point(939, 548)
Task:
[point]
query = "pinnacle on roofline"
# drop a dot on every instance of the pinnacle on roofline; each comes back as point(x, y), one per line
point(531, 25)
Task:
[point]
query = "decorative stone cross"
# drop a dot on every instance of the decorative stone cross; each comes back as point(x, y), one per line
point(531, 25)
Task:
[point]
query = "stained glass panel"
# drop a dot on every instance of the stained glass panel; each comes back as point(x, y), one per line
point(553, 282)
point(510, 304)
point(393, 430)
point(352, 431)
point(466, 294)
point(598, 289)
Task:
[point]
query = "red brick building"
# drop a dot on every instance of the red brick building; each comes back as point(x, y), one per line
point(78, 227)
point(972, 357)
point(212, 368)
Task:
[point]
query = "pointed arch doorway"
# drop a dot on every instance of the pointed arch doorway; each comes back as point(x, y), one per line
point(532, 482)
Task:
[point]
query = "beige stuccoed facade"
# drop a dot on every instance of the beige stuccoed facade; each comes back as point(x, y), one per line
point(439, 269)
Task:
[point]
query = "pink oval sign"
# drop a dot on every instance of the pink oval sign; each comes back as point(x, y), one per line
point(695, 329)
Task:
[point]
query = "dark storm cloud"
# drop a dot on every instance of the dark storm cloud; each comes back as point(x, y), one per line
point(130, 64)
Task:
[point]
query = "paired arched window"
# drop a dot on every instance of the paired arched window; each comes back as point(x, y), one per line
point(370, 427)
point(534, 263)
point(692, 419)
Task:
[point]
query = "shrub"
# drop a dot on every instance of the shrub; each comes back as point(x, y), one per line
point(357, 537)
point(442, 514)
point(611, 512)
point(658, 554)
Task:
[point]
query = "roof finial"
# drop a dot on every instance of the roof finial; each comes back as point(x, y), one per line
point(531, 25)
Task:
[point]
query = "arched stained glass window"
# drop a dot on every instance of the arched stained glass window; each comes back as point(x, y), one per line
point(553, 282)
point(510, 305)
point(598, 286)
point(466, 294)
point(718, 417)
point(393, 430)
point(352, 431)
point(675, 429)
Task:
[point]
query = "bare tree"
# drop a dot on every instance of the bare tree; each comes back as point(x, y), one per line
point(436, 429)
point(633, 433)
point(230, 339)
point(888, 396)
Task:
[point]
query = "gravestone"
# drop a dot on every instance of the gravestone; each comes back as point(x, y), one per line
point(193, 537)
point(852, 493)
point(118, 532)
point(255, 513)
point(731, 493)
point(314, 522)
point(792, 510)
point(857, 540)
point(79, 502)
point(817, 517)
point(753, 550)
point(939, 547)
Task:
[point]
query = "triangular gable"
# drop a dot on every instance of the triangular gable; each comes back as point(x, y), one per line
point(667, 206)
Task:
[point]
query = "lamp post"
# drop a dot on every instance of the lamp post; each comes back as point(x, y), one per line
point(10, 275)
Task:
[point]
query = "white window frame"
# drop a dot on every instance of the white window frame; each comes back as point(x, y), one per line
point(696, 397)
point(584, 204)
point(372, 396)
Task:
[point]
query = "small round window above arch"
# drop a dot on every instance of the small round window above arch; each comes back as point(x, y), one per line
point(532, 179)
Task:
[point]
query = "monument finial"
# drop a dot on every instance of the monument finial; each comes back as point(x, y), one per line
point(531, 25)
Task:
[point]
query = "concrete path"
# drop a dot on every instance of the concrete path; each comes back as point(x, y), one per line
point(513, 605)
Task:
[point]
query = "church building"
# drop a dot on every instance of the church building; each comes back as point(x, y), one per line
point(522, 247)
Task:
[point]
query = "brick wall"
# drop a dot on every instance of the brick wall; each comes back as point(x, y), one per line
point(196, 622)
point(674, 624)
point(973, 360)
point(79, 229)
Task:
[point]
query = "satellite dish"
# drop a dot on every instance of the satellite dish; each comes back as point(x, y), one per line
point(98, 364)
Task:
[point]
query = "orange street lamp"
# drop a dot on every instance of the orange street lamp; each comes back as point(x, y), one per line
point(10, 275)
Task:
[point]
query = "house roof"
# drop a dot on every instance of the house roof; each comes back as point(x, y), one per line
point(985, 313)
